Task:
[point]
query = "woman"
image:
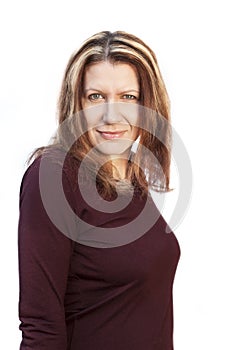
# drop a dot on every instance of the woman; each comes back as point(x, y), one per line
point(96, 267)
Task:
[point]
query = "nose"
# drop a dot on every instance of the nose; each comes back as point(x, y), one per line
point(112, 113)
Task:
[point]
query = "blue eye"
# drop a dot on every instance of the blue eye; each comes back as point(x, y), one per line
point(129, 97)
point(95, 97)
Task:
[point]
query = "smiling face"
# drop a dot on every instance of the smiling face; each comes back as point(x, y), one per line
point(110, 103)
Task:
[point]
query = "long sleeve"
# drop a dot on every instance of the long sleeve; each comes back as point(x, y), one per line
point(44, 259)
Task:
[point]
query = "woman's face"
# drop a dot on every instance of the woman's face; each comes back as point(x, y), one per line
point(110, 104)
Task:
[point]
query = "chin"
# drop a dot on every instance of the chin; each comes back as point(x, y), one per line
point(111, 148)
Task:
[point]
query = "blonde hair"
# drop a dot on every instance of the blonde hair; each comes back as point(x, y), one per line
point(120, 47)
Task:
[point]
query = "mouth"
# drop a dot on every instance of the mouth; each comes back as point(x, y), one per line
point(110, 135)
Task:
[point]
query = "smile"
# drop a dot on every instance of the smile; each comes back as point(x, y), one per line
point(110, 135)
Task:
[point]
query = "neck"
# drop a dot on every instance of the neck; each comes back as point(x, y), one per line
point(119, 167)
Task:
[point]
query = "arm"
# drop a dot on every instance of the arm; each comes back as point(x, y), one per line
point(44, 258)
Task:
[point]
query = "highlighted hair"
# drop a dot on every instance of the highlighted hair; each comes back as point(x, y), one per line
point(155, 129)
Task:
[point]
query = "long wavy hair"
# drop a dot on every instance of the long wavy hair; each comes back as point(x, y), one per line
point(154, 129)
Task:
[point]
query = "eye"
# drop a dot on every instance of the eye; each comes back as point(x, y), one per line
point(95, 97)
point(129, 97)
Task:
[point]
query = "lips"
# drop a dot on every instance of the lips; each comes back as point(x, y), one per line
point(110, 135)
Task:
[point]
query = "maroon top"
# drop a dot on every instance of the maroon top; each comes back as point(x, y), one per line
point(85, 296)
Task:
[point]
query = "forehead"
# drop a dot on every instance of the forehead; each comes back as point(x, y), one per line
point(110, 75)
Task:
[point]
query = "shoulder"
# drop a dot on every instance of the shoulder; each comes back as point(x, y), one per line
point(53, 158)
point(52, 165)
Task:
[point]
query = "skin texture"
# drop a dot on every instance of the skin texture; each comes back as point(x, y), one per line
point(111, 95)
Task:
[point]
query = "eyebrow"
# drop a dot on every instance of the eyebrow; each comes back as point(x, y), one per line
point(120, 93)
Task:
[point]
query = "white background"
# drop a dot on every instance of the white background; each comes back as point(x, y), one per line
point(193, 43)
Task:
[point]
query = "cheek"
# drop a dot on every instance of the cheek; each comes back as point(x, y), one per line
point(136, 130)
point(133, 123)
point(93, 115)
point(92, 119)
point(131, 115)
point(135, 133)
